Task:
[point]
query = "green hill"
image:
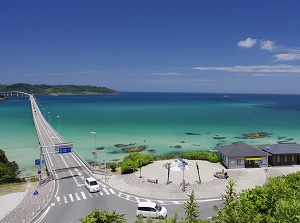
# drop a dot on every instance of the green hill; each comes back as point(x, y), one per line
point(56, 89)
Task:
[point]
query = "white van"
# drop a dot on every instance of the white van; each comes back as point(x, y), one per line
point(91, 184)
point(151, 209)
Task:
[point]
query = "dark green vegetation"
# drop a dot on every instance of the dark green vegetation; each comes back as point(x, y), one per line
point(8, 170)
point(278, 201)
point(134, 161)
point(56, 89)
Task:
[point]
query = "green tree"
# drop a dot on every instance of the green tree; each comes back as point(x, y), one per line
point(8, 170)
point(191, 210)
point(103, 217)
point(229, 213)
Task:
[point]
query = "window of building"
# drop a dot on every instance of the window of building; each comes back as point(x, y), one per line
point(240, 162)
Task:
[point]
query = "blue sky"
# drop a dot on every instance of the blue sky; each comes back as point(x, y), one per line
point(231, 46)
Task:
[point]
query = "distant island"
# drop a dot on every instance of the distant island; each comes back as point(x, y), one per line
point(56, 89)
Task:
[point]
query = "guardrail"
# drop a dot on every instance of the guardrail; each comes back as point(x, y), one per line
point(92, 169)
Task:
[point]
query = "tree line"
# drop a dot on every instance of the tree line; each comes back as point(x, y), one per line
point(56, 89)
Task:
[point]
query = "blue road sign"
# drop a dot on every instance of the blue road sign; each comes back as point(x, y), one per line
point(37, 162)
point(65, 150)
point(43, 162)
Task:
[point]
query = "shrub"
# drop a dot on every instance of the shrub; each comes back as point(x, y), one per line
point(113, 166)
point(193, 155)
point(135, 160)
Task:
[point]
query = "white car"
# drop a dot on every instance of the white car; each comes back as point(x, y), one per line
point(91, 184)
point(151, 209)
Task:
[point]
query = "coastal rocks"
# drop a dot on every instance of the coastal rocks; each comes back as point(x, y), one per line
point(192, 133)
point(134, 149)
point(124, 145)
point(219, 137)
point(284, 139)
point(255, 135)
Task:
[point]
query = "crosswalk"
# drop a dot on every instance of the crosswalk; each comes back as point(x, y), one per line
point(105, 191)
point(83, 195)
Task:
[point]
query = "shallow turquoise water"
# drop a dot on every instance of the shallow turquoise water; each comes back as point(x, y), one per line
point(158, 120)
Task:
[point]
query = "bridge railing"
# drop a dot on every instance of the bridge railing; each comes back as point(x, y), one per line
point(92, 169)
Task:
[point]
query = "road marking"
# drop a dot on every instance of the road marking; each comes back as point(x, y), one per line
point(71, 197)
point(137, 199)
point(83, 195)
point(77, 197)
point(90, 195)
point(58, 199)
point(65, 199)
point(101, 184)
point(112, 191)
point(104, 189)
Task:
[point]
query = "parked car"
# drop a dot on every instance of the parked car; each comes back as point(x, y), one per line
point(151, 209)
point(91, 184)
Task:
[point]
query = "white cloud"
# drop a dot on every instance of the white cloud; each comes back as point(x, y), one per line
point(267, 45)
point(259, 69)
point(292, 54)
point(282, 53)
point(167, 74)
point(247, 43)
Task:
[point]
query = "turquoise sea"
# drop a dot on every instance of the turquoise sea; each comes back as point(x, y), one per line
point(163, 122)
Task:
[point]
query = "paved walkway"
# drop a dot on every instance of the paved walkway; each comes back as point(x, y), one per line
point(210, 187)
point(27, 205)
point(22, 207)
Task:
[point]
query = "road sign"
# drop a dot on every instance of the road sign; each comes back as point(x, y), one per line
point(37, 162)
point(64, 150)
point(35, 192)
point(39, 172)
point(43, 162)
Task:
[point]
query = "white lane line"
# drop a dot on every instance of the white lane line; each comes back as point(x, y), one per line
point(104, 189)
point(77, 197)
point(65, 199)
point(83, 195)
point(112, 191)
point(58, 199)
point(71, 197)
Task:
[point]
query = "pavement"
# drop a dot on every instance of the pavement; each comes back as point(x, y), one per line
point(24, 206)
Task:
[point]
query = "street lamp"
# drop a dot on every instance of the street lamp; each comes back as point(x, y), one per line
point(49, 117)
point(58, 123)
point(104, 150)
point(268, 158)
point(140, 166)
point(94, 152)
